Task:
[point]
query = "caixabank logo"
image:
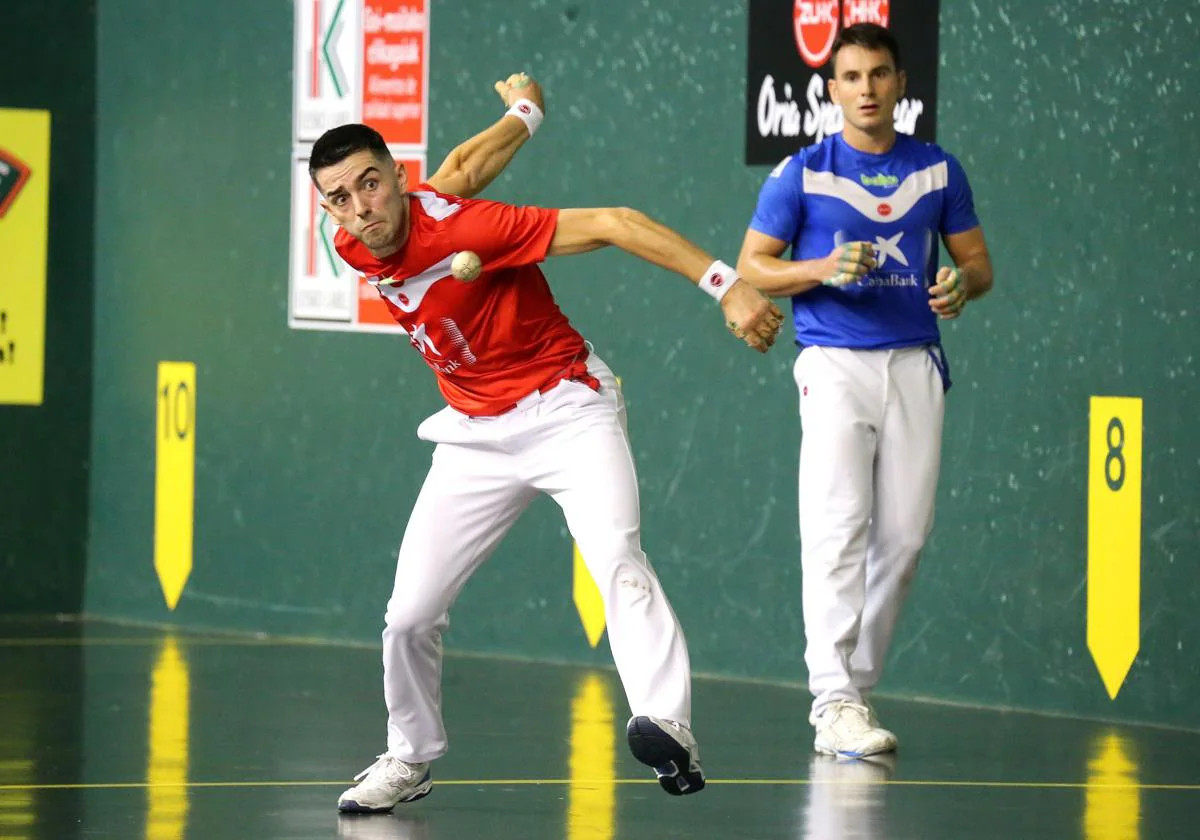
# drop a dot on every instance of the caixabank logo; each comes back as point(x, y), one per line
point(13, 175)
point(790, 41)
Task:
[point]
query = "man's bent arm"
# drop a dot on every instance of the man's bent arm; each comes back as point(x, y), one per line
point(475, 163)
point(760, 264)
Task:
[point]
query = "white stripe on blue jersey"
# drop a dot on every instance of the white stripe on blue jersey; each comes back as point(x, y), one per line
point(901, 201)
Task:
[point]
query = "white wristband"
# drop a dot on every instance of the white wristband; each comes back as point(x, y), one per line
point(718, 280)
point(527, 111)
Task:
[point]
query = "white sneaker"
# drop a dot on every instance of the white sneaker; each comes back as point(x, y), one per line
point(844, 728)
point(386, 783)
point(671, 749)
point(873, 719)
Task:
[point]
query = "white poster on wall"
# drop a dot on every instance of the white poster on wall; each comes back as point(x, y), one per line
point(325, 293)
point(353, 61)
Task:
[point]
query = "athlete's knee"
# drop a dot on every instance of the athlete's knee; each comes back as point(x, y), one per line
point(613, 552)
point(636, 579)
point(629, 584)
point(407, 616)
point(901, 552)
point(907, 543)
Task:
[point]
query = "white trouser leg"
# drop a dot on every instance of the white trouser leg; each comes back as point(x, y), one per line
point(906, 475)
point(840, 408)
point(470, 499)
point(584, 462)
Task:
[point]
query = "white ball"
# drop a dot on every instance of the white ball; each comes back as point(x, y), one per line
point(466, 265)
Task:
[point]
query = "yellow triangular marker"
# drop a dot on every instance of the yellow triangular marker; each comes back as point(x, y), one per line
point(1114, 537)
point(588, 601)
point(175, 477)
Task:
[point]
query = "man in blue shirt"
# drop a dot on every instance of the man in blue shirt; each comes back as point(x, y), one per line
point(862, 212)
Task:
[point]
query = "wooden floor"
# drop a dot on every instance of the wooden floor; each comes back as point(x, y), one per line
point(116, 732)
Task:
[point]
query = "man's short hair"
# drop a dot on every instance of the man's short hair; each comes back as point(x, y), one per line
point(337, 144)
point(869, 36)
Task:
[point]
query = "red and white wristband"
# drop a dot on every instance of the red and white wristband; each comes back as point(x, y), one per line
point(527, 111)
point(718, 280)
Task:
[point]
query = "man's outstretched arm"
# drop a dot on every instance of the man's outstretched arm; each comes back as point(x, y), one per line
point(475, 163)
point(749, 314)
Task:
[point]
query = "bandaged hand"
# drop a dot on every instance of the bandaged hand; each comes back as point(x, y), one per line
point(520, 86)
point(849, 263)
point(949, 294)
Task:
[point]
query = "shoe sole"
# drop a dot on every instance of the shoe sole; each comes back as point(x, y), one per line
point(824, 750)
point(655, 748)
point(349, 806)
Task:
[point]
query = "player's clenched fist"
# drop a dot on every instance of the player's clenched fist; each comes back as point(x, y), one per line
point(949, 295)
point(751, 316)
point(520, 86)
point(849, 263)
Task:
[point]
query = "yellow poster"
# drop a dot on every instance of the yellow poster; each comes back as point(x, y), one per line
point(24, 225)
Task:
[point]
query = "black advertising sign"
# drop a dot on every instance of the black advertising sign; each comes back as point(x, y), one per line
point(787, 102)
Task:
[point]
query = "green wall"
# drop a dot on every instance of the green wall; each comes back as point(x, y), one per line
point(44, 460)
point(1072, 123)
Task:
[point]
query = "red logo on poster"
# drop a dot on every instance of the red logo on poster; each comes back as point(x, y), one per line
point(865, 11)
point(884, 209)
point(815, 23)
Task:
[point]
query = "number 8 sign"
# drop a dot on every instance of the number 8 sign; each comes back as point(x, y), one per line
point(1114, 536)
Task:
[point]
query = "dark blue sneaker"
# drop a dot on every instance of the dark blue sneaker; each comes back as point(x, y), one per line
point(670, 749)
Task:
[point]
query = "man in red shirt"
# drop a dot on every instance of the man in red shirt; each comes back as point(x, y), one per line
point(530, 409)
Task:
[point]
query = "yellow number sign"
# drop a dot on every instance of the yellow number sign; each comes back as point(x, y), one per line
point(174, 476)
point(1114, 574)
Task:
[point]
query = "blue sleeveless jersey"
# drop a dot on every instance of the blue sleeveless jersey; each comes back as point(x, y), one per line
point(902, 201)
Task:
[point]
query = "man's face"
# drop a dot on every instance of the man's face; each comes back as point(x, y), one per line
point(365, 195)
point(867, 86)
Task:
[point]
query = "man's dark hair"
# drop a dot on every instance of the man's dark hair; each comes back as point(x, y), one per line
point(869, 36)
point(337, 144)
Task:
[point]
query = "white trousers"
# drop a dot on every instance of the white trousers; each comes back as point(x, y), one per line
point(869, 460)
point(570, 443)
